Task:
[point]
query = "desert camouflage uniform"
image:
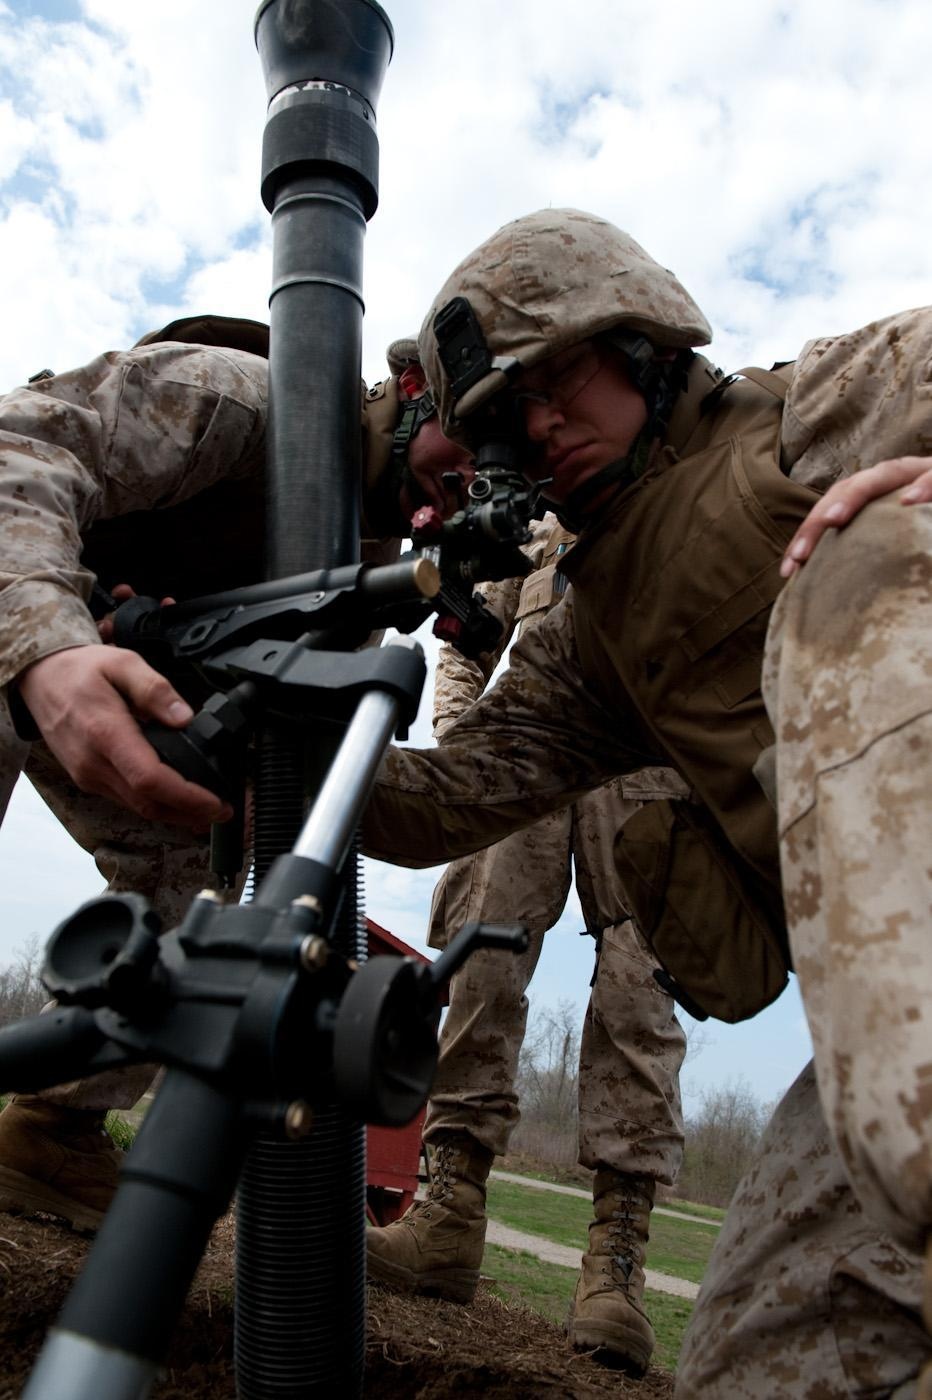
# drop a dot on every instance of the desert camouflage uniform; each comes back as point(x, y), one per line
point(632, 1045)
point(144, 467)
point(815, 1287)
point(129, 432)
point(846, 680)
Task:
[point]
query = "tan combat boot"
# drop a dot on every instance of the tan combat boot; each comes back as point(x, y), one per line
point(607, 1313)
point(436, 1247)
point(56, 1159)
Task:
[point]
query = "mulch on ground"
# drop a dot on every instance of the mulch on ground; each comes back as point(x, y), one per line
point(416, 1348)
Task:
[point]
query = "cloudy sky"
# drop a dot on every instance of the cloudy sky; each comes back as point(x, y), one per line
point(775, 155)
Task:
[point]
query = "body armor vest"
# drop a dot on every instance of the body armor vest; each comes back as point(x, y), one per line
point(674, 589)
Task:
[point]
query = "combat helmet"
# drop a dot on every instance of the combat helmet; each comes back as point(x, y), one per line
point(545, 282)
point(401, 353)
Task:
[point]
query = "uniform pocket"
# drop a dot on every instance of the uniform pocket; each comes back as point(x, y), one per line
point(711, 923)
point(874, 1296)
point(538, 592)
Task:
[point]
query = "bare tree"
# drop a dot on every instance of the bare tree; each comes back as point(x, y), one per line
point(721, 1140)
point(698, 1036)
point(547, 1082)
point(21, 991)
point(548, 1070)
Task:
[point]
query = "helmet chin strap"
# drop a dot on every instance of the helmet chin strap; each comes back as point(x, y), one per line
point(414, 414)
point(659, 381)
point(574, 512)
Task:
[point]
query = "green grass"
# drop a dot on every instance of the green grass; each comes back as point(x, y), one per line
point(547, 1289)
point(569, 1179)
point(523, 1278)
point(678, 1247)
point(122, 1132)
point(714, 1213)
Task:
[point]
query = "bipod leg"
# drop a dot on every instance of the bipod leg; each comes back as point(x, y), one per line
point(118, 1318)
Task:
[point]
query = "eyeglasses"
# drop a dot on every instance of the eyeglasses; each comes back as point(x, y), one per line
point(561, 379)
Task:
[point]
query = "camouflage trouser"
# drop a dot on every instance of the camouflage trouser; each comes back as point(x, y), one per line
point(632, 1045)
point(830, 1228)
point(166, 864)
point(804, 1296)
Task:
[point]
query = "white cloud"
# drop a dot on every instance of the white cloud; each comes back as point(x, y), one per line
point(705, 140)
point(15, 138)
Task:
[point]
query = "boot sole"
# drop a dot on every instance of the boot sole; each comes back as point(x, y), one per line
point(613, 1347)
point(453, 1285)
point(22, 1195)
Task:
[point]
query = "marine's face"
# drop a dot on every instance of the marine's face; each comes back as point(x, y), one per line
point(431, 458)
point(582, 412)
point(442, 469)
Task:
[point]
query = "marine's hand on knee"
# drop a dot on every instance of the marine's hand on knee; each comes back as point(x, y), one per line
point(912, 476)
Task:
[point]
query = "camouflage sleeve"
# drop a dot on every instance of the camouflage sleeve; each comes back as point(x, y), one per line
point(459, 681)
point(130, 431)
point(842, 415)
point(534, 742)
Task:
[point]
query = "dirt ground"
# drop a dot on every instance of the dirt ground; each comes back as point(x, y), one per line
point(416, 1349)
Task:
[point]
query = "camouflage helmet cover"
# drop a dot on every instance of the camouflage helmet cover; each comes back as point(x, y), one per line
point(546, 281)
point(401, 353)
